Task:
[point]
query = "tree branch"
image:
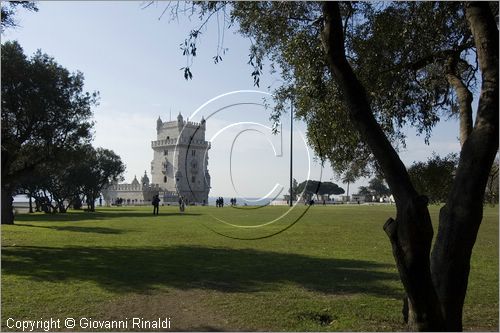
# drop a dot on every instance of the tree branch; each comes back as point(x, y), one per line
point(465, 98)
point(429, 59)
point(359, 107)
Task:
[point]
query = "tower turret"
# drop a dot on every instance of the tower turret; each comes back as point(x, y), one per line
point(145, 179)
point(180, 122)
point(159, 124)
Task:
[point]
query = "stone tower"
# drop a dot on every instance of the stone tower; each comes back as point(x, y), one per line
point(180, 160)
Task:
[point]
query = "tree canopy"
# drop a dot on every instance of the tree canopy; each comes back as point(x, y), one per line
point(101, 168)
point(376, 187)
point(77, 174)
point(415, 71)
point(435, 176)
point(308, 188)
point(45, 111)
point(9, 9)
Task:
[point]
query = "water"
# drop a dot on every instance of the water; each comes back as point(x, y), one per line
point(241, 201)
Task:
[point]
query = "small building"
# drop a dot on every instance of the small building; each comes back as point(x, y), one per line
point(134, 193)
point(345, 198)
point(359, 198)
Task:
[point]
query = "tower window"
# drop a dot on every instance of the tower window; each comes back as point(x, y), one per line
point(193, 179)
point(165, 152)
point(164, 179)
point(193, 152)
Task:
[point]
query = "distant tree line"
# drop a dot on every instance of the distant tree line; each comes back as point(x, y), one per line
point(434, 177)
point(46, 136)
point(491, 195)
point(376, 188)
point(310, 188)
point(74, 179)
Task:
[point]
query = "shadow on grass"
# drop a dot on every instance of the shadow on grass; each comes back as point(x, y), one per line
point(92, 216)
point(97, 230)
point(188, 267)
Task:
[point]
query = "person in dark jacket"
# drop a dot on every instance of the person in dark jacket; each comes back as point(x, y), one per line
point(156, 204)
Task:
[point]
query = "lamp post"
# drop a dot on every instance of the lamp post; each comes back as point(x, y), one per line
point(291, 154)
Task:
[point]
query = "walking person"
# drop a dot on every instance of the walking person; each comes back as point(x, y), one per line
point(156, 204)
point(181, 205)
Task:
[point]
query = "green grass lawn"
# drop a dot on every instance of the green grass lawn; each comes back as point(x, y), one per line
point(332, 270)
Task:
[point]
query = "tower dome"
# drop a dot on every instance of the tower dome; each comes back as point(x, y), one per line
point(135, 181)
point(180, 119)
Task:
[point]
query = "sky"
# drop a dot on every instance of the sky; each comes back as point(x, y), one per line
point(132, 57)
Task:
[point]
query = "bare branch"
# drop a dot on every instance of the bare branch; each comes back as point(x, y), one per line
point(422, 62)
point(149, 3)
point(159, 18)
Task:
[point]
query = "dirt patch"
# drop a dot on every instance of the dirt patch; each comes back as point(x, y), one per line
point(188, 310)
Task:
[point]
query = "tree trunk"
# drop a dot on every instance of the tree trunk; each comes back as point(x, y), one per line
point(92, 204)
point(60, 206)
point(7, 208)
point(37, 203)
point(460, 218)
point(31, 203)
point(411, 236)
point(492, 185)
point(465, 98)
point(46, 207)
point(411, 233)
